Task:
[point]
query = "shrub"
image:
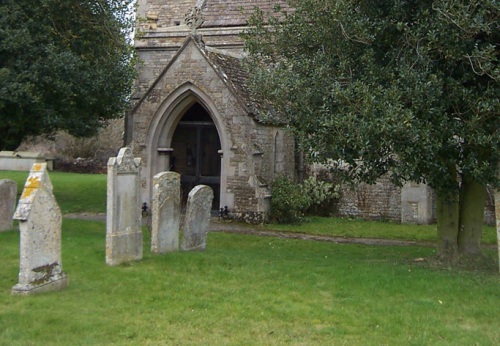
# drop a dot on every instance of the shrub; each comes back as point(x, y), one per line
point(323, 196)
point(288, 202)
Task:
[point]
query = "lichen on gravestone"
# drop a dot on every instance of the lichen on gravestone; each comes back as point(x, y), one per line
point(40, 221)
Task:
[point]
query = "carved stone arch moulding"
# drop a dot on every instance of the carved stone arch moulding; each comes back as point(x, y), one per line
point(162, 127)
point(171, 110)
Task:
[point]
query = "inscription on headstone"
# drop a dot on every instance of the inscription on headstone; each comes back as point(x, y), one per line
point(197, 219)
point(8, 195)
point(123, 218)
point(166, 212)
point(40, 219)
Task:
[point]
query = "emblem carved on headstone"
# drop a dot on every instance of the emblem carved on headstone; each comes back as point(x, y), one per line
point(126, 163)
point(124, 213)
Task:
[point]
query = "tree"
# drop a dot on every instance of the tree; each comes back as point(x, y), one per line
point(404, 88)
point(63, 65)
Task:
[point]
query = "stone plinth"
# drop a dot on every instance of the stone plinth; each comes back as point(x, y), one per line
point(8, 195)
point(416, 203)
point(197, 219)
point(166, 212)
point(123, 218)
point(23, 160)
point(40, 220)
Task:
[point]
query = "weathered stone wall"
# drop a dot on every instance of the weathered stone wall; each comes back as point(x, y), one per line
point(153, 62)
point(162, 14)
point(162, 30)
point(168, 13)
point(381, 201)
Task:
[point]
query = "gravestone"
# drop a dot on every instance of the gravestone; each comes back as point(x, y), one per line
point(416, 203)
point(8, 195)
point(123, 217)
point(166, 212)
point(40, 220)
point(197, 219)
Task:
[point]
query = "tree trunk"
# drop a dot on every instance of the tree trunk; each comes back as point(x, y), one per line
point(497, 215)
point(447, 209)
point(472, 201)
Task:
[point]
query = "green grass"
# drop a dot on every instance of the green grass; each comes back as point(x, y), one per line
point(356, 228)
point(248, 290)
point(75, 193)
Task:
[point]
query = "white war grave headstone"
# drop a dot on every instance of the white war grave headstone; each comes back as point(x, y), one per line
point(166, 211)
point(197, 218)
point(8, 195)
point(123, 217)
point(40, 220)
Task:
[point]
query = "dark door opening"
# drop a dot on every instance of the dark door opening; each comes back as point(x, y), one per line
point(195, 154)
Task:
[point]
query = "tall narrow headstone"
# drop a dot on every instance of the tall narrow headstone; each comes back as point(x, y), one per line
point(123, 218)
point(8, 194)
point(166, 212)
point(40, 219)
point(197, 219)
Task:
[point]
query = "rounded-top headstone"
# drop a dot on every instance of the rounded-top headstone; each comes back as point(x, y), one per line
point(197, 219)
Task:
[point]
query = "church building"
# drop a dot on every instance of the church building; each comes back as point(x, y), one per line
point(192, 111)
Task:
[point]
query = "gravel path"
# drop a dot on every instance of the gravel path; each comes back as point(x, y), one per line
point(240, 228)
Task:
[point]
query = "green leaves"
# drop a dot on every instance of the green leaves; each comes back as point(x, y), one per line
point(64, 65)
point(410, 88)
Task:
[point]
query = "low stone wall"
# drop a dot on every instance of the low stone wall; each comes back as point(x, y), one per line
point(383, 201)
point(23, 160)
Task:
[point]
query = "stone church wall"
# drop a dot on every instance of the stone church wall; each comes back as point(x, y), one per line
point(381, 201)
point(253, 152)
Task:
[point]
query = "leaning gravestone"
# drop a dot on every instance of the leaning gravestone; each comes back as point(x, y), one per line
point(40, 220)
point(123, 219)
point(197, 218)
point(8, 194)
point(166, 212)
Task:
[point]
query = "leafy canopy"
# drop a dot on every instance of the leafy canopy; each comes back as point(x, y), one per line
point(410, 87)
point(63, 65)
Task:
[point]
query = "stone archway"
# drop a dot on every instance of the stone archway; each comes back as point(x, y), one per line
point(165, 150)
point(195, 152)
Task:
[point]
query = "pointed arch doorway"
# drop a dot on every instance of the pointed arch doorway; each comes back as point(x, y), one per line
point(196, 152)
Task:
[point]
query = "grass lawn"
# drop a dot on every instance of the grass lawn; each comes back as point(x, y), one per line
point(248, 290)
point(75, 193)
point(345, 227)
